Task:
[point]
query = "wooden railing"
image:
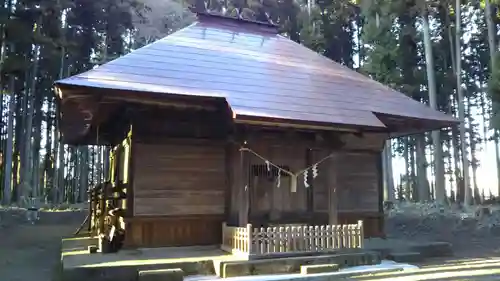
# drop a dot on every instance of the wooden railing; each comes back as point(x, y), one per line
point(291, 238)
point(235, 239)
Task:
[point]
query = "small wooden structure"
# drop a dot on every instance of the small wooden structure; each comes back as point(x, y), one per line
point(270, 241)
point(225, 128)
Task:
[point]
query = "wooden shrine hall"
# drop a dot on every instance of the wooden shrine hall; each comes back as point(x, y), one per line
point(226, 126)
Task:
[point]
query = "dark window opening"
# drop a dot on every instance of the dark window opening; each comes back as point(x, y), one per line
point(270, 172)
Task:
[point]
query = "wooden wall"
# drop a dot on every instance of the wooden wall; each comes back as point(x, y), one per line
point(358, 180)
point(178, 180)
point(173, 231)
point(179, 193)
point(184, 190)
point(267, 200)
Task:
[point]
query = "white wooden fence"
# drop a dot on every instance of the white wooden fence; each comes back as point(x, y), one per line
point(235, 239)
point(291, 238)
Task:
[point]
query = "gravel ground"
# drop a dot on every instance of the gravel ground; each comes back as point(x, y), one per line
point(31, 252)
point(474, 233)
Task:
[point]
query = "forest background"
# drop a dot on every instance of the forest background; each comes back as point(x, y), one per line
point(442, 53)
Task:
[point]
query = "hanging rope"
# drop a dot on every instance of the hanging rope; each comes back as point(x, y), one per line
point(293, 176)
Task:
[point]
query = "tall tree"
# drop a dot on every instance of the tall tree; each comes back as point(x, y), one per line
point(461, 104)
point(439, 185)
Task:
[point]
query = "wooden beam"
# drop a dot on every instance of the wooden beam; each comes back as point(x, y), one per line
point(131, 172)
point(293, 125)
point(141, 97)
point(228, 159)
point(243, 187)
point(380, 189)
point(161, 102)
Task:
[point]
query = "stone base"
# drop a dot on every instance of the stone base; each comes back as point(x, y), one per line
point(175, 274)
point(293, 264)
point(407, 257)
point(319, 268)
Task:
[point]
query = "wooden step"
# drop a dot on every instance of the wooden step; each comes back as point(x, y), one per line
point(319, 268)
point(405, 257)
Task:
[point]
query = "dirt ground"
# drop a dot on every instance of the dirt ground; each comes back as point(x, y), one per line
point(31, 252)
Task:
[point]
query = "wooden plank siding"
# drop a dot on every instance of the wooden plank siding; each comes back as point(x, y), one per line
point(179, 180)
point(179, 194)
point(184, 190)
point(174, 231)
point(266, 196)
point(357, 178)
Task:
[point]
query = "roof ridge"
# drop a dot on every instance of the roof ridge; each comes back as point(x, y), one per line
point(207, 16)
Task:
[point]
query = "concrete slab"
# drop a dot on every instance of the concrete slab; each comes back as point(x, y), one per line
point(79, 265)
point(293, 264)
point(318, 268)
point(175, 274)
point(342, 274)
point(407, 257)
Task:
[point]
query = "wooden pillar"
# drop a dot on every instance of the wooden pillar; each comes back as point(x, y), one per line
point(332, 183)
point(228, 172)
point(310, 189)
point(242, 185)
point(380, 189)
point(131, 174)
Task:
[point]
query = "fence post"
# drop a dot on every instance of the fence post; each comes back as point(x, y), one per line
point(361, 234)
point(249, 238)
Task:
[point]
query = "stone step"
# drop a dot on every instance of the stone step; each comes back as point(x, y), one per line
point(365, 274)
point(173, 274)
point(293, 264)
point(406, 257)
point(319, 268)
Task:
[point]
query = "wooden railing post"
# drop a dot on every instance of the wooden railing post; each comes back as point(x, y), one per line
point(224, 233)
point(361, 234)
point(249, 238)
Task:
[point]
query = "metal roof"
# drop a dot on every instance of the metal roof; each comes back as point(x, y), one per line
point(260, 73)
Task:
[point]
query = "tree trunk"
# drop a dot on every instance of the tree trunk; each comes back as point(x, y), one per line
point(461, 107)
point(422, 182)
point(406, 156)
point(7, 194)
point(440, 192)
point(493, 49)
point(84, 166)
point(388, 175)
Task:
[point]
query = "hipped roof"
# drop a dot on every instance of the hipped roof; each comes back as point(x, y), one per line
point(260, 74)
